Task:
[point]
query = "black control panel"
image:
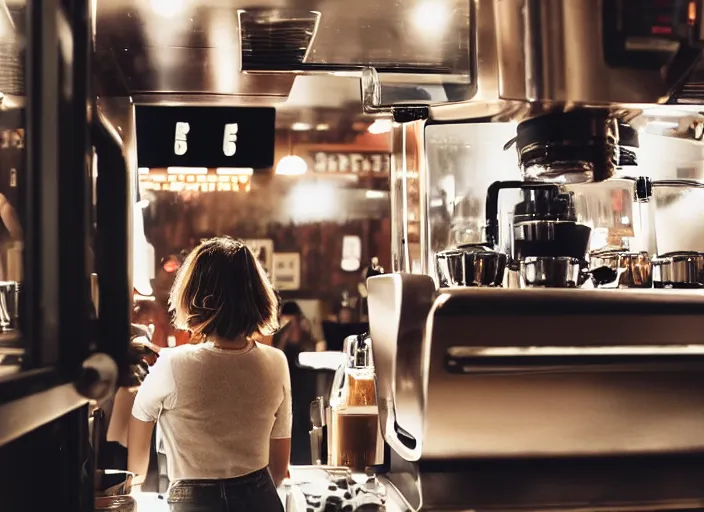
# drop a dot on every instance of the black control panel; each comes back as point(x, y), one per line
point(648, 34)
point(667, 19)
point(205, 136)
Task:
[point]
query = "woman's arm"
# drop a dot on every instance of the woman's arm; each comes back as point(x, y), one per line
point(157, 393)
point(139, 441)
point(121, 414)
point(280, 442)
point(141, 351)
point(279, 456)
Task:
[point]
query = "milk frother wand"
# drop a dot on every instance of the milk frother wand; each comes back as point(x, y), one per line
point(318, 433)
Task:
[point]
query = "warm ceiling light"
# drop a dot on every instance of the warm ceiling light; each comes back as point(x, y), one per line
point(291, 165)
point(300, 127)
point(168, 8)
point(380, 126)
point(322, 127)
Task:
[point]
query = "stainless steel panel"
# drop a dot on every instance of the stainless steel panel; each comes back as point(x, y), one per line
point(398, 308)
point(567, 485)
point(536, 420)
point(575, 408)
point(552, 51)
point(485, 102)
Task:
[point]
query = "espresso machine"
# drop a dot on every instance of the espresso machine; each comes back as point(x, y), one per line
point(552, 360)
point(549, 241)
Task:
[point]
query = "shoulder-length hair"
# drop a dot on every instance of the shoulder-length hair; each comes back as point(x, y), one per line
point(222, 290)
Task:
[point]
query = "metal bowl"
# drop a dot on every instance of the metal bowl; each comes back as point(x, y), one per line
point(679, 270)
point(470, 265)
point(550, 272)
point(618, 268)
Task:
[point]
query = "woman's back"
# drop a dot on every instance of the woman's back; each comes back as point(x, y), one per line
point(220, 408)
point(224, 404)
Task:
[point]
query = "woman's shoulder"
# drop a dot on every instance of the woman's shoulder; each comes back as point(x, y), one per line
point(178, 352)
point(272, 353)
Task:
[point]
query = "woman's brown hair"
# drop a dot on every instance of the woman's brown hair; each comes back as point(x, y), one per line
point(222, 290)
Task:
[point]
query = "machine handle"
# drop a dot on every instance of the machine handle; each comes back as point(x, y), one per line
point(477, 360)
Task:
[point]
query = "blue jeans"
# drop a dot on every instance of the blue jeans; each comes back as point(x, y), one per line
point(254, 492)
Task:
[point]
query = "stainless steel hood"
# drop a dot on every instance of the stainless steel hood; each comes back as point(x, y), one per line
point(466, 59)
point(194, 51)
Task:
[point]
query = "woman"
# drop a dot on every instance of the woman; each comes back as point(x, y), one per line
point(223, 404)
point(296, 336)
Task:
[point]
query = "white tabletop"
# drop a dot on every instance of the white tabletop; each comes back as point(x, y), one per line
point(329, 360)
point(150, 502)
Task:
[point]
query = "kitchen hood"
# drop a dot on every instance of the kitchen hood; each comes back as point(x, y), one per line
point(465, 59)
point(411, 51)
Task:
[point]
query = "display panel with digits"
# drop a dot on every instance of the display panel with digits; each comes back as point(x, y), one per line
point(205, 136)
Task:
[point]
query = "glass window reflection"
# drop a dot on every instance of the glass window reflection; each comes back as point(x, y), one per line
point(12, 178)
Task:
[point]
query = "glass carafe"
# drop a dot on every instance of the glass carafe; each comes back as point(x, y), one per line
point(354, 435)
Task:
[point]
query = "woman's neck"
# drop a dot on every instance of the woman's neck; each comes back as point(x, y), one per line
point(235, 344)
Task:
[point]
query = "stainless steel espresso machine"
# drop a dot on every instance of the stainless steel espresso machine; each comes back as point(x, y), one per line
point(540, 343)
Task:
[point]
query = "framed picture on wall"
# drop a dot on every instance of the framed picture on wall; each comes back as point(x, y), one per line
point(263, 249)
point(287, 270)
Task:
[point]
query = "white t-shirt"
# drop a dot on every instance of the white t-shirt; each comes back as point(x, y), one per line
point(217, 409)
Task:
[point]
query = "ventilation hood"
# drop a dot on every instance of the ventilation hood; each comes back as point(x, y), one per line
point(465, 59)
point(231, 51)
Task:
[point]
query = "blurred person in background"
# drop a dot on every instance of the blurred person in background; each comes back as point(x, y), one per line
point(223, 402)
point(294, 337)
point(152, 313)
point(142, 355)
